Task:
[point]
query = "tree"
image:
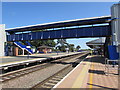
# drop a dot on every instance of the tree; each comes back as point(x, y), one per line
point(61, 48)
point(38, 43)
point(71, 47)
point(77, 48)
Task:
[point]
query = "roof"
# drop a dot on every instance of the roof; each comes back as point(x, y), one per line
point(44, 46)
point(100, 41)
point(96, 44)
point(67, 23)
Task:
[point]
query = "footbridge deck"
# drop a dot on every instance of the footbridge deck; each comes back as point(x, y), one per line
point(79, 28)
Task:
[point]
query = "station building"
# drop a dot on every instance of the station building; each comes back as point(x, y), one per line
point(97, 46)
point(44, 49)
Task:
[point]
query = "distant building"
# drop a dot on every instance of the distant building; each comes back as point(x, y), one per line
point(97, 45)
point(44, 49)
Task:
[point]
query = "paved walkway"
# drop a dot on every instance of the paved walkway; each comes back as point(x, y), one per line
point(7, 59)
point(90, 75)
point(97, 75)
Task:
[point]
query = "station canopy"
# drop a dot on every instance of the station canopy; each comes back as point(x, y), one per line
point(96, 44)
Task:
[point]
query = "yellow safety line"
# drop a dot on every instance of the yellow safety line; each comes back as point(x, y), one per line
point(79, 81)
point(91, 77)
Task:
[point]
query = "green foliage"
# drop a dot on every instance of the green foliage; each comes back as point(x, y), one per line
point(38, 43)
point(77, 48)
point(61, 48)
point(52, 43)
point(71, 47)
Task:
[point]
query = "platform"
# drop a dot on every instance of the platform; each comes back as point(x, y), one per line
point(15, 60)
point(90, 73)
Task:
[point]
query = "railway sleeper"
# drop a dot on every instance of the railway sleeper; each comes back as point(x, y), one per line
point(50, 85)
point(45, 86)
point(53, 81)
point(56, 79)
point(59, 77)
point(47, 83)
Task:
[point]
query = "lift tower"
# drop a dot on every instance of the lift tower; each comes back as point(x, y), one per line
point(115, 23)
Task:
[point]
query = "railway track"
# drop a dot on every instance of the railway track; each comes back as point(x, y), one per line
point(51, 81)
point(54, 79)
point(21, 72)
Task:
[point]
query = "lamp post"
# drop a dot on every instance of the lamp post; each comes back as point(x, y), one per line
point(57, 50)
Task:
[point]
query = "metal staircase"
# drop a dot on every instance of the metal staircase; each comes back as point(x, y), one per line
point(29, 44)
point(23, 47)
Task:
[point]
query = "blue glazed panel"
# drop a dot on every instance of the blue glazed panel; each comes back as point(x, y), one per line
point(16, 36)
point(73, 33)
point(52, 34)
point(106, 30)
point(80, 32)
point(38, 35)
point(12, 37)
point(25, 36)
point(34, 35)
point(65, 33)
point(29, 36)
point(58, 33)
point(46, 35)
point(88, 32)
point(97, 31)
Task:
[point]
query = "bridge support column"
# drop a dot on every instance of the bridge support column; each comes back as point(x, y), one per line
point(2, 39)
point(23, 52)
point(115, 12)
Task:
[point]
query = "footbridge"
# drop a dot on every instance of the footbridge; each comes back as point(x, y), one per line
point(78, 28)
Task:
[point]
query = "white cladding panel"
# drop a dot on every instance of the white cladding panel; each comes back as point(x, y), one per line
point(2, 39)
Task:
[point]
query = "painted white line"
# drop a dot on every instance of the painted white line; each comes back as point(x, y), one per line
point(19, 62)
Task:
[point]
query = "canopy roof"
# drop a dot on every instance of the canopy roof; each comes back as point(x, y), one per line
point(100, 41)
point(96, 43)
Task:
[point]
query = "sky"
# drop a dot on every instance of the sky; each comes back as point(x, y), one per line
point(17, 14)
